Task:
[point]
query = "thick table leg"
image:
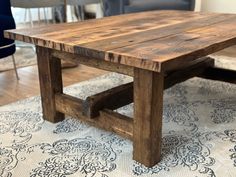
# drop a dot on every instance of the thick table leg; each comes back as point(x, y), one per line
point(148, 108)
point(50, 79)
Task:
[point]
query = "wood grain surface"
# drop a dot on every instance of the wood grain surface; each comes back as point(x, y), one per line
point(148, 108)
point(50, 79)
point(156, 40)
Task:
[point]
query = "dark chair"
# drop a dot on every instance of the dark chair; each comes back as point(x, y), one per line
point(7, 46)
point(116, 7)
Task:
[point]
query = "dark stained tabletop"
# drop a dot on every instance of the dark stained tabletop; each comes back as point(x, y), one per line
point(156, 40)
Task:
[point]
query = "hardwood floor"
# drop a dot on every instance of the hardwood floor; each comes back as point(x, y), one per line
point(12, 90)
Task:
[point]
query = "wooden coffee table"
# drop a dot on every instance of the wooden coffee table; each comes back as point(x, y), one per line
point(158, 48)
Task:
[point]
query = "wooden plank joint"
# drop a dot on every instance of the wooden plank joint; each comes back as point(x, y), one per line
point(110, 99)
point(107, 119)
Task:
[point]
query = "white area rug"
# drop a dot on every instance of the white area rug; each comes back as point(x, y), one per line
point(199, 136)
point(224, 61)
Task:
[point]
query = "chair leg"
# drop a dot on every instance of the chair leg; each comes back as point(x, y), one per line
point(25, 16)
point(82, 13)
point(14, 64)
point(30, 18)
point(45, 15)
point(39, 18)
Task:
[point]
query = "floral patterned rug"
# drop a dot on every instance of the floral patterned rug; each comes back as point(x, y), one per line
point(199, 136)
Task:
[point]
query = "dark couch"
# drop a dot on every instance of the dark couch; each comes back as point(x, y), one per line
point(7, 46)
point(116, 7)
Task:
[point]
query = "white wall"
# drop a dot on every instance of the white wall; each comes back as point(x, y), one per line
point(223, 6)
point(19, 14)
point(198, 5)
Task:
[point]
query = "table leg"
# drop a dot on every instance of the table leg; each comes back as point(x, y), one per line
point(50, 79)
point(148, 108)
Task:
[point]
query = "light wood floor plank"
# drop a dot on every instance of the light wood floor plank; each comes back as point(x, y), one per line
point(12, 90)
